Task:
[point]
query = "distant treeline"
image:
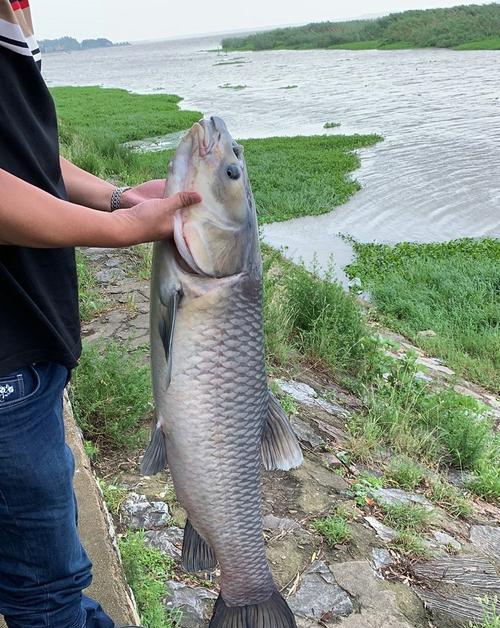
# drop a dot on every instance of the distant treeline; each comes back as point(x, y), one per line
point(472, 26)
point(67, 44)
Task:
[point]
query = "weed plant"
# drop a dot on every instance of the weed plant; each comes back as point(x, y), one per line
point(111, 393)
point(334, 528)
point(147, 570)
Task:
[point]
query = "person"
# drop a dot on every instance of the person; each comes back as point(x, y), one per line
point(47, 207)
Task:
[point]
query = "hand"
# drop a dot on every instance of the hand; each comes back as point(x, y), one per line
point(144, 192)
point(151, 220)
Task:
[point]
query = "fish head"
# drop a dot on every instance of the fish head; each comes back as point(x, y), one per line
point(219, 236)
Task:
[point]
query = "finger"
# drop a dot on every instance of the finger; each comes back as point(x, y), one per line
point(184, 199)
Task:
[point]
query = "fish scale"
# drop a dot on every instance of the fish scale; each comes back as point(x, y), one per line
point(218, 400)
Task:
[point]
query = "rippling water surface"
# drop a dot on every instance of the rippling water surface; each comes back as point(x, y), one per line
point(435, 177)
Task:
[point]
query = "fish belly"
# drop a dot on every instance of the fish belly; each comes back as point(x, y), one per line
point(216, 407)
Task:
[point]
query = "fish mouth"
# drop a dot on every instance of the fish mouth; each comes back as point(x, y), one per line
point(210, 131)
point(182, 245)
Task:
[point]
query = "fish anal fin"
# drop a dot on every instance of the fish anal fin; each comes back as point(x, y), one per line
point(273, 613)
point(280, 446)
point(155, 457)
point(197, 555)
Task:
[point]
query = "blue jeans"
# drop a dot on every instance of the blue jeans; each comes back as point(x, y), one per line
point(43, 566)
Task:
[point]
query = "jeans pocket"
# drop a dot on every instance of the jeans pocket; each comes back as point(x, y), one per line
point(18, 387)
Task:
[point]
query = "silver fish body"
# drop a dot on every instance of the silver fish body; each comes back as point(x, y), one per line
point(215, 417)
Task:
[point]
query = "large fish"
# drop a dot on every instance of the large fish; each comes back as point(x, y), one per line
point(215, 417)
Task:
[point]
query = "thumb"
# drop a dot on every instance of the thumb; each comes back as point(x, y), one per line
point(184, 199)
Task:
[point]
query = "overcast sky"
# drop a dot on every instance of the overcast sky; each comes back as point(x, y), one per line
point(133, 20)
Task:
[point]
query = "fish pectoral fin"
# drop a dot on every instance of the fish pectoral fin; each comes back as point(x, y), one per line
point(280, 446)
point(166, 326)
point(273, 613)
point(197, 555)
point(155, 457)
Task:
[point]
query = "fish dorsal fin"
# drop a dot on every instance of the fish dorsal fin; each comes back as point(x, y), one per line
point(280, 446)
point(197, 555)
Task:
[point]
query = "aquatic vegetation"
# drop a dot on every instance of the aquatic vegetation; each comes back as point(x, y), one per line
point(331, 125)
point(450, 288)
point(288, 87)
point(476, 25)
point(235, 87)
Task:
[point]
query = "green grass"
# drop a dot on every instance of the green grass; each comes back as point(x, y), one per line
point(491, 614)
point(410, 544)
point(334, 528)
point(119, 115)
point(309, 316)
point(147, 570)
point(92, 303)
point(364, 487)
point(450, 498)
point(404, 473)
point(451, 288)
point(111, 393)
point(114, 496)
point(407, 517)
point(491, 43)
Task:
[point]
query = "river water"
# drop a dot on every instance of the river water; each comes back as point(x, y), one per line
point(435, 177)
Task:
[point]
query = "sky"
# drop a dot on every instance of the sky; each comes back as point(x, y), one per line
point(136, 20)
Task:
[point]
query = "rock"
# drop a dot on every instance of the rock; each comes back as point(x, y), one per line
point(427, 333)
point(319, 596)
point(139, 513)
point(460, 478)
point(381, 558)
point(486, 539)
point(331, 460)
point(271, 522)
point(434, 365)
point(195, 603)
point(446, 540)
point(381, 605)
point(303, 393)
point(394, 496)
point(168, 541)
point(384, 532)
point(305, 433)
point(110, 275)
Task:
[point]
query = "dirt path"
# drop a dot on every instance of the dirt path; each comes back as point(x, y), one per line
point(362, 583)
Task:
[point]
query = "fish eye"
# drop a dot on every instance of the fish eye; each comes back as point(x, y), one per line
point(233, 171)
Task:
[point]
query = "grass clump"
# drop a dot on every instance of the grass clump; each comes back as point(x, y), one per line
point(451, 288)
point(411, 517)
point(486, 481)
point(410, 544)
point(147, 570)
point(450, 498)
point(334, 528)
point(440, 427)
point(114, 496)
point(490, 43)
point(92, 303)
point(307, 315)
point(491, 614)
point(111, 393)
point(404, 473)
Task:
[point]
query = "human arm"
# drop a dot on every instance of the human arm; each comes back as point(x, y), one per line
point(86, 189)
point(31, 217)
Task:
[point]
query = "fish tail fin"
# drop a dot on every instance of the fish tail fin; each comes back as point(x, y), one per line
point(280, 446)
point(273, 613)
point(155, 457)
point(197, 554)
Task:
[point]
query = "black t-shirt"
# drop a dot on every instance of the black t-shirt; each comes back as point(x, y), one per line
point(39, 319)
